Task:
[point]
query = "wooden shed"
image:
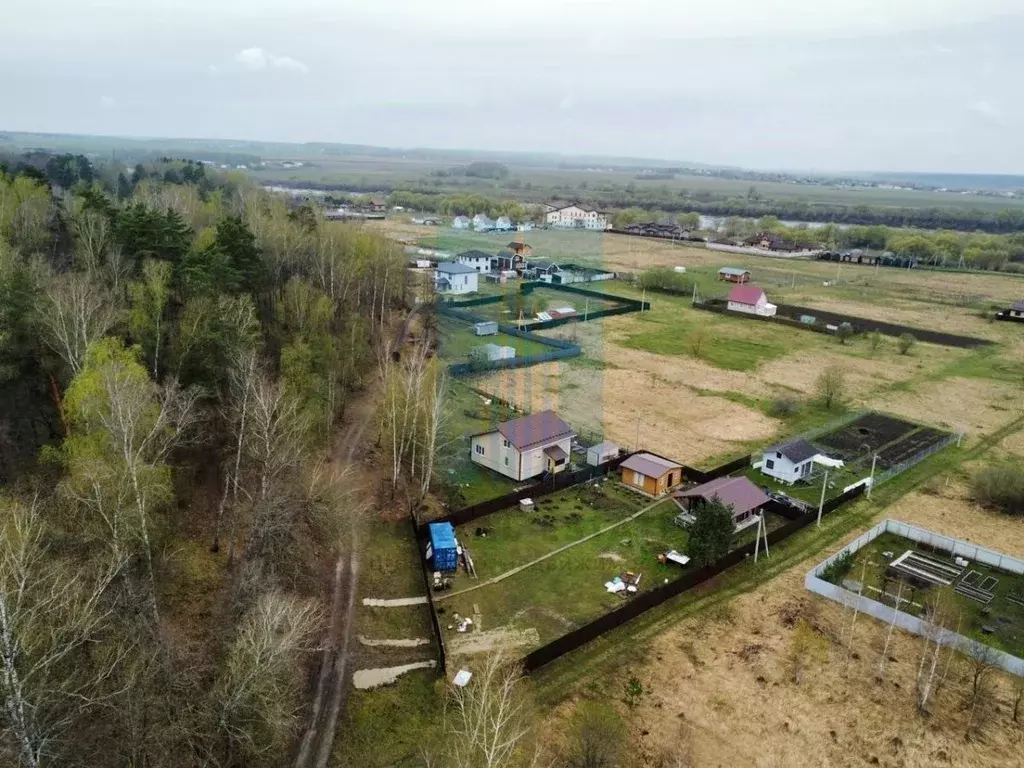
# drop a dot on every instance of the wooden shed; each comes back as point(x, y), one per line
point(651, 474)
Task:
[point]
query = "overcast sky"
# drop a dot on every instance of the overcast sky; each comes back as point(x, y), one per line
point(810, 84)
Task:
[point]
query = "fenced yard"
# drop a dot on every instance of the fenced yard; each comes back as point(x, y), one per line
point(981, 604)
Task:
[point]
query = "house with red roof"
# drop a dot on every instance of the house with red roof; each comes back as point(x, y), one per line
point(750, 299)
point(525, 447)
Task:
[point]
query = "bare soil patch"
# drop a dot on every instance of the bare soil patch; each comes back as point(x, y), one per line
point(472, 643)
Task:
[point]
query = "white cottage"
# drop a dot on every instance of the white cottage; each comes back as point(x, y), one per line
point(460, 222)
point(789, 462)
point(482, 223)
point(525, 447)
point(455, 278)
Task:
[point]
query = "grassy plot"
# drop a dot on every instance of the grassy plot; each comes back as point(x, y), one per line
point(391, 726)
point(457, 339)
point(1002, 616)
point(567, 590)
point(674, 328)
point(513, 537)
point(391, 566)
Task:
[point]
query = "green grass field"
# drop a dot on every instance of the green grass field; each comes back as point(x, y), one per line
point(457, 339)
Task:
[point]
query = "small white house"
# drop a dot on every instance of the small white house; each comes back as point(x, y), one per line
point(504, 224)
point(601, 453)
point(525, 447)
point(789, 462)
point(475, 260)
point(750, 299)
point(455, 278)
point(482, 223)
point(526, 226)
point(460, 222)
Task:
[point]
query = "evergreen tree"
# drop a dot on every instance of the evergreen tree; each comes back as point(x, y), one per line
point(711, 532)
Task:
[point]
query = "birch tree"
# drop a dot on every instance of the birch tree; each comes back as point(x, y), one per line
point(75, 311)
point(50, 615)
point(128, 424)
point(149, 297)
point(489, 721)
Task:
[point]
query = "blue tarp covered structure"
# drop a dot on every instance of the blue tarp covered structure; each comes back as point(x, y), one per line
point(444, 550)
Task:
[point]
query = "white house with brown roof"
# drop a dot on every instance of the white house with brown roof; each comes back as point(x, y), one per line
point(525, 447)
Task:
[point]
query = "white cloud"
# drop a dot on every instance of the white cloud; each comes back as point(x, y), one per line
point(213, 69)
point(107, 102)
point(257, 59)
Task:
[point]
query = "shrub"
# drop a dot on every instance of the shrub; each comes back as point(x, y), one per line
point(633, 692)
point(1000, 487)
point(666, 280)
point(698, 340)
point(905, 343)
point(596, 737)
point(844, 332)
point(784, 407)
point(836, 571)
point(875, 340)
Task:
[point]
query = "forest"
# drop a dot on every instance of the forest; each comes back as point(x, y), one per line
point(176, 348)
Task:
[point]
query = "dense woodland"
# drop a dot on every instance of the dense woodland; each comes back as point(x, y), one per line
point(175, 348)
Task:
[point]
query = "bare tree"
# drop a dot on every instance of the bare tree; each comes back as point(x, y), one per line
point(257, 695)
point(888, 635)
point(49, 615)
point(980, 664)
point(93, 239)
point(488, 721)
point(75, 312)
point(435, 417)
point(938, 610)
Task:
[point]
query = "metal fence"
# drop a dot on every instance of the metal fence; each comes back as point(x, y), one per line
point(917, 458)
point(955, 547)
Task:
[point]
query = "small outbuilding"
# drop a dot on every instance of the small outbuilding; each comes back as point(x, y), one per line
point(651, 474)
point(602, 453)
point(751, 300)
point(443, 549)
point(738, 493)
point(494, 352)
point(486, 328)
point(734, 275)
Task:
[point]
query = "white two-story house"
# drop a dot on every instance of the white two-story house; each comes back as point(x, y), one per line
point(790, 461)
point(577, 216)
point(525, 447)
point(450, 277)
point(476, 260)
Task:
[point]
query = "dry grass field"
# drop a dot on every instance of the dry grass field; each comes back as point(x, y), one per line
point(722, 690)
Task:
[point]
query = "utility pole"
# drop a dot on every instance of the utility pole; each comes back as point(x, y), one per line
point(871, 482)
point(643, 299)
point(824, 490)
point(586, 309)
point(762, 529)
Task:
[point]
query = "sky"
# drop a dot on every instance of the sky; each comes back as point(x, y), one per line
point(855, 85)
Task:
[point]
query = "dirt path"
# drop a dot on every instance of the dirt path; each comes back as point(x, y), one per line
point(335, 668)
point(542, 558)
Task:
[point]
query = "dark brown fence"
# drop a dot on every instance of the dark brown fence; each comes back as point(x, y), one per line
point(789, 314)
point(726, 469)
point(655, 597)
point(537, 490)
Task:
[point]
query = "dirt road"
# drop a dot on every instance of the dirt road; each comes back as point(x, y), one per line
point(335, 667)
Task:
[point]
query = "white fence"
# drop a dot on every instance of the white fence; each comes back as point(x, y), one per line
point(905, 621)
point(750, 250)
